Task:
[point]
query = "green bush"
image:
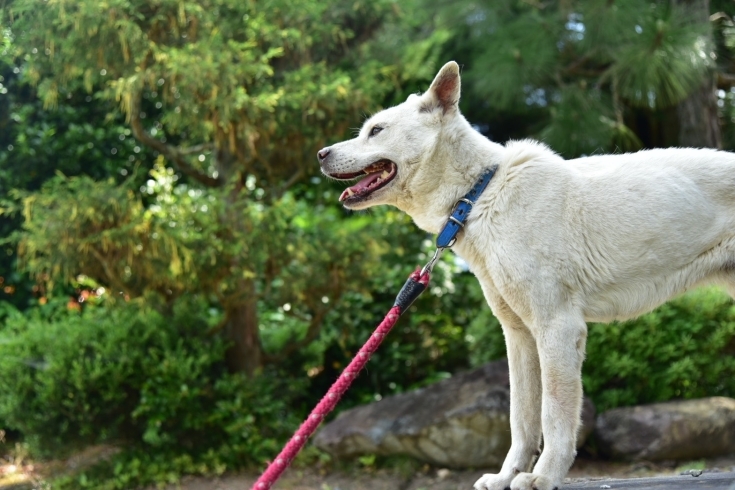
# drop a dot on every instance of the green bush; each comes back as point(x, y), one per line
point(426, 345)
point(157, 384)
point(684, 349)
point(484, 335)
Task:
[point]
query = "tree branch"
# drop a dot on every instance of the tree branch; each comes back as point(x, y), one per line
point(196, 149)
point(112, 280)
point(174, 154)
point(725, 80)
point(290, 182)
point(576, 64)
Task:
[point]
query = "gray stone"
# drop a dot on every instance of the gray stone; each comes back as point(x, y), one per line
point(459, 422)
point(680, 430)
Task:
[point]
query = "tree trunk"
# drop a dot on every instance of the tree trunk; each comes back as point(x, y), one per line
point(699, 125)
point(241, 325)
point(241, 315)
point(241, 330)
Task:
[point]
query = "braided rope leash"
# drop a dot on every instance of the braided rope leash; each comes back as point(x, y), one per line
point(414, 286)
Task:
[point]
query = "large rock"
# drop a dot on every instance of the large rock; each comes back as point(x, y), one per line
point(681, 430)
point(458, 422)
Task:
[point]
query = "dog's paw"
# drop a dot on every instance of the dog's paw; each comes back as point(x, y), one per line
point(531, 481)
point(490, 481)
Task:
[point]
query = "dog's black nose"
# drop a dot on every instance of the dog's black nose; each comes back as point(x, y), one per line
point(323, 153)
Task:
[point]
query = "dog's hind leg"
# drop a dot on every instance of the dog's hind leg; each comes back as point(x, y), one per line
point(525, 399)
point(561, 345)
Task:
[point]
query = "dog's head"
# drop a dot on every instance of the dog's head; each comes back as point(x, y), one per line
point(394, 148)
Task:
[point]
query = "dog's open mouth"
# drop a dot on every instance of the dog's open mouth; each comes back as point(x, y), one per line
point(379, 174)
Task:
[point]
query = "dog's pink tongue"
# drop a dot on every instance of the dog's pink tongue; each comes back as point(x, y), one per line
point(360, 186)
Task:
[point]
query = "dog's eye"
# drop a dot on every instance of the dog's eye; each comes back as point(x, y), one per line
point(375, 130)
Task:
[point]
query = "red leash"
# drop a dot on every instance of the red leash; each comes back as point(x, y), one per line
point(414, 286)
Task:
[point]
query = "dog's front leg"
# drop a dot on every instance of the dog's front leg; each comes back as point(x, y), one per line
point(525, 401)
point(561, 346)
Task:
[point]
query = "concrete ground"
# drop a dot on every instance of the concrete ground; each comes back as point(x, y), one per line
point(719, 474)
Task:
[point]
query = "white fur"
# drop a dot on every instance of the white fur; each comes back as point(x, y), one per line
point(554, 243)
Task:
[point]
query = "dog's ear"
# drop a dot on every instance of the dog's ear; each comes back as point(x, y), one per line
point(444, 90)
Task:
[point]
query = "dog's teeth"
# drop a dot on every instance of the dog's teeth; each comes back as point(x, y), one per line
point(384, 175)
point(350, 192)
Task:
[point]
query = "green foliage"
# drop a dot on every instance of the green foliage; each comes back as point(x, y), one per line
point(77, 224)
point(35, 143)
point(178, 245)
point(584, 76)
point(237, 96)
point(522, 54)
point(427, 345)
point(240, 76)
point(582, 122)
point(484, 334)
point(684, 349)
point(128, 374)
point(666, 60)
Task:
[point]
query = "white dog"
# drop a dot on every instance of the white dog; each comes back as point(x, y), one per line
point(553, 242)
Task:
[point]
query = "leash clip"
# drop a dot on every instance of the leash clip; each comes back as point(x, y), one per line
point(430, 265)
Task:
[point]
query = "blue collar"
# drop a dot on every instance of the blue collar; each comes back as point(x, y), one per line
point(448, 236)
